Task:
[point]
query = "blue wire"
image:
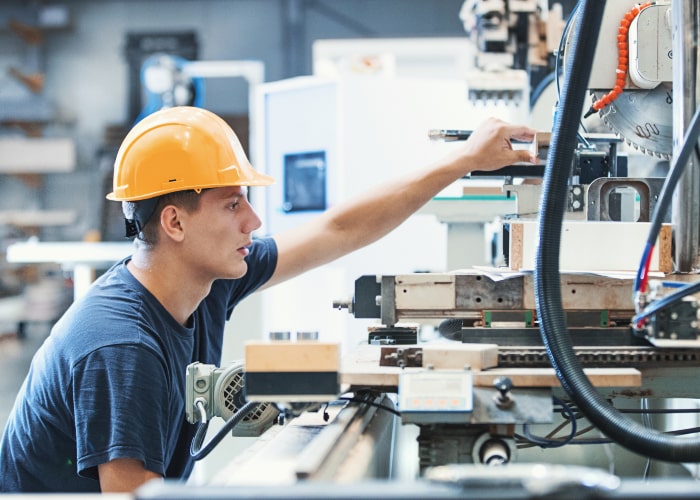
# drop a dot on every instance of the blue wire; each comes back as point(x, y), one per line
point(564, 33)
point(540, 88)
point(681, 432)
point(557, 60)
point(673, 284)
point(679, 164)
point(666, 301)
point(681, 160)
point(554, 443)
point(645, 255)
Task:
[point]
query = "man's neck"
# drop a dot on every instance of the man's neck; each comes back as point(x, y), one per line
point(170, 283)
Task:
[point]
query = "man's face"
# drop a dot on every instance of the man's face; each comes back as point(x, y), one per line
point(219, 233)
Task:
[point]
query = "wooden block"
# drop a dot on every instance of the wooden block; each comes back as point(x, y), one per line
point(425, 291)
point(545, 377)
point(593, 246)
point(482, 191)
point(544, 138)
point(515, 246)
point(292, 356)
point(361, 369)
point(587, 292)
point(664, 249)
point(521, 377)
point(457, 356)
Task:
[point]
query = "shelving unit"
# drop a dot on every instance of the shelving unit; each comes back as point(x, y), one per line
point(29, 150)
point(25, 150)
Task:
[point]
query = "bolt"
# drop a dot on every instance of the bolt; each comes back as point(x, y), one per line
point(503, 385)
point(503, 399)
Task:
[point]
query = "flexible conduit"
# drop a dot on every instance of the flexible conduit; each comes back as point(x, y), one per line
point(553, 328)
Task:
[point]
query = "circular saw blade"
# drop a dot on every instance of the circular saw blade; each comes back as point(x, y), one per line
point(642, 118)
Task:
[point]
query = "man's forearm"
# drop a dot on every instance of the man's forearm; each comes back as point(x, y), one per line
point(368, 217)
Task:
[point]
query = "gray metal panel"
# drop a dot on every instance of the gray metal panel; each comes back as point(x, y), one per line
point(531, 406)
point(479, 291)
point(686, 202)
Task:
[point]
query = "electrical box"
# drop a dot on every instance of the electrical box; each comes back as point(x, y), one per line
point(436, 396)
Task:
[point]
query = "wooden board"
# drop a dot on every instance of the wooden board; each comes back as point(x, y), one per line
point(482, 190)
point(587, 292)
point(545, 377)
point(361, 368)
point(456, 357)
point(37, 155)
point(593, 246)
point(38, 218)
point(292, 356)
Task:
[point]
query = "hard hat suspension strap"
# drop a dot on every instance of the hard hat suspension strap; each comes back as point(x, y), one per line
point(143, 211)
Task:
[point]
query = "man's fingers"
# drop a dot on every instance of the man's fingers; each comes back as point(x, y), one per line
point(521, 132)
point(525, 156)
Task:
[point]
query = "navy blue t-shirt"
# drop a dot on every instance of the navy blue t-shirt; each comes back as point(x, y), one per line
point(109, 382)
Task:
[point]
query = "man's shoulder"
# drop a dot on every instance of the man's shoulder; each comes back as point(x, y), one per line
point(262, 259)
point(112, 313)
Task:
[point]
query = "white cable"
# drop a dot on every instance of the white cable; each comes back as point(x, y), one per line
point(201, 405)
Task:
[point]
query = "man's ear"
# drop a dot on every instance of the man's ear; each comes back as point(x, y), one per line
point(171, 223)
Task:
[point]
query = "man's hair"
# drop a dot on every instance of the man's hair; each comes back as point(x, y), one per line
point(188, 200)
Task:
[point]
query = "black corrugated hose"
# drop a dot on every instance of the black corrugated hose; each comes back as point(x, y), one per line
point(553, 328)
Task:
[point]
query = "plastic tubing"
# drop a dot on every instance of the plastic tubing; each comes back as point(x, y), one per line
point(623, 430)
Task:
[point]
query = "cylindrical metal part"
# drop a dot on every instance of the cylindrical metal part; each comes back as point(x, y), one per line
point(494, 452)
point(280, 335)
point(686, 201)
point(307, 335)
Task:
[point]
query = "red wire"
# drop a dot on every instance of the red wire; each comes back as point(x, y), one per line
point(643, 281)
point(645, 274)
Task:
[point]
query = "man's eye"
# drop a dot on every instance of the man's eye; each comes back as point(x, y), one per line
point(234, 205)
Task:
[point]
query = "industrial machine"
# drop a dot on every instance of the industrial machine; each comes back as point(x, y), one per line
point(542, 377)
point(170, 80)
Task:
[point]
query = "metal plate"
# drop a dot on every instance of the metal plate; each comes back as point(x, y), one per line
point(533, 406)
point(648, 189)
point(479, 291)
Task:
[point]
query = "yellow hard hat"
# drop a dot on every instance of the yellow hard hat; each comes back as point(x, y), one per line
point(178, 149)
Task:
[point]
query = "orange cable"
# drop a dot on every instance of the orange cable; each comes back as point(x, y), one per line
point(622, 59)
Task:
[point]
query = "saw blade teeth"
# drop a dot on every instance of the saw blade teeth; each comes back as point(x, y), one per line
point(627, 119)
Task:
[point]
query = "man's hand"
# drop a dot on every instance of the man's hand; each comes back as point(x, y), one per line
point(370, 215)
point(489, 147)
point(123, 475)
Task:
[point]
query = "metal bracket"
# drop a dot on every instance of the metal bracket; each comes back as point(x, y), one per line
point(599, 191)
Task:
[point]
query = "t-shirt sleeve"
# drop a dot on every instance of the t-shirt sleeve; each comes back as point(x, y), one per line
point(121, 408)
point(262, 261)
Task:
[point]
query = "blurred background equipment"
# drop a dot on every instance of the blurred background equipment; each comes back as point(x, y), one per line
point(537, 322)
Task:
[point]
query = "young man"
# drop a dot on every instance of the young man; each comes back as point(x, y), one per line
point(102, 408)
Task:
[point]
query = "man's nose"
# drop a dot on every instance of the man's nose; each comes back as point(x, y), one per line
point(253, 222)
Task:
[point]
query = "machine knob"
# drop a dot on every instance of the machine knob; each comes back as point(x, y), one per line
point(503, 384)
point(503, 399)
point(343, 304)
